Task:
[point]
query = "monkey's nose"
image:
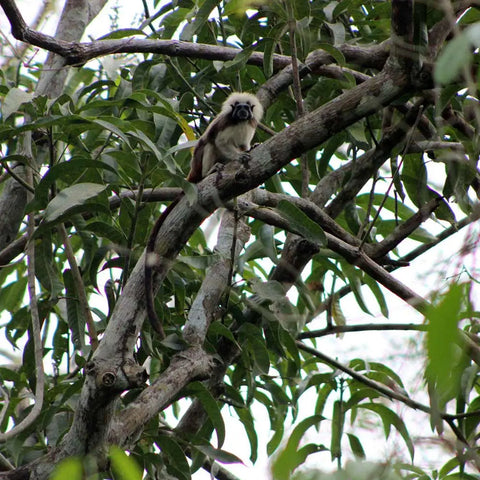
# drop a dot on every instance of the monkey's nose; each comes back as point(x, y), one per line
point(243, 114)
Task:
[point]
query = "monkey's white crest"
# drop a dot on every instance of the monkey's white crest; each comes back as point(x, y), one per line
point(245, 98)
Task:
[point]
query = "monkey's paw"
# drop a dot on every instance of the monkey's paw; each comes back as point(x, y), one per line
point(217, 168)
point(245, 159)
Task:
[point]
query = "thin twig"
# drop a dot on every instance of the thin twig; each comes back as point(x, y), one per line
point(388, 392)
point(148, 21)
point(80, 287)
point(297, 92)
point(17, 178)
point(337, 329)
point(36, 326)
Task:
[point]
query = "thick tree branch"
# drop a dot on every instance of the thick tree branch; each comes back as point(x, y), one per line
point(356, 257)
point(184, 368)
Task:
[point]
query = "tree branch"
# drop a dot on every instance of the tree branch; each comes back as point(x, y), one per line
point(337, 329)
point(183, 369)
point(76, 53)
point(36, 337)
point(206, 304)
point(388, 392)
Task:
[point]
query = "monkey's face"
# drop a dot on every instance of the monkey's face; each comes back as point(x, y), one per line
point(241, 112)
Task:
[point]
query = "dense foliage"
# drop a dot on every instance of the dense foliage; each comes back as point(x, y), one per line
point(382, 169)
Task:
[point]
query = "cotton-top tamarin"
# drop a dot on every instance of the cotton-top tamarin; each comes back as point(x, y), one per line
point(229, 134)
point(226, 138)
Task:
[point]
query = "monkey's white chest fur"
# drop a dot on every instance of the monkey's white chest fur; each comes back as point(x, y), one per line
point(229, 144)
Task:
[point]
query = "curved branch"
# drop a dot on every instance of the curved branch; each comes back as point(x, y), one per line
point(184, 367)
point(36, 326)
point(76, 53)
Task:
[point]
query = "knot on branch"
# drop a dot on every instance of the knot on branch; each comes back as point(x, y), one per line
point(424, 77)
point(117, 378)
point(75, 54)
point(108, 379)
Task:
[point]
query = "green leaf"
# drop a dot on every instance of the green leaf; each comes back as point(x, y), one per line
point(123, 33)
point(338, 421)
point(71, 200)
point(377, 291)
point(269, 51)
point(219, 455)
point(14, 98)
point(124, 466)
point(46, 269)
point(414, 177)
point(114, 125)
point(356, 446)
point(471, 423)
point(277, 436)
point(448, 467)
point(175, 456)
point(11, 295)
point(70, 468)
point(211, 408)
point(334, 52)
point(390, 418)
point(442, 338)
point(355, 278)
point(67, 172)
point(246, 418)
point(259, 352)
point(461, 476)
point(301, 223)
point(75, 318)
point(291, 456)
point(456, 55)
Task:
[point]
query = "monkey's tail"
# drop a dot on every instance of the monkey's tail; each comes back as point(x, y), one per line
point(149, 267)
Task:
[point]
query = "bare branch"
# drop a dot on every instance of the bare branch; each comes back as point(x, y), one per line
point(337, 329)
point(36, 326)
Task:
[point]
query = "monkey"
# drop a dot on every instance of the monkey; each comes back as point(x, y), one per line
point(227, 138)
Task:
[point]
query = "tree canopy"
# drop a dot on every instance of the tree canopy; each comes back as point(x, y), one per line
point(366, 160)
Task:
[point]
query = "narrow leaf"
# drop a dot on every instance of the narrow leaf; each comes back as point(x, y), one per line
point(124, 466)
point(301, 223)
point(442, 337)
point(211, 408)
point(71, 197)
